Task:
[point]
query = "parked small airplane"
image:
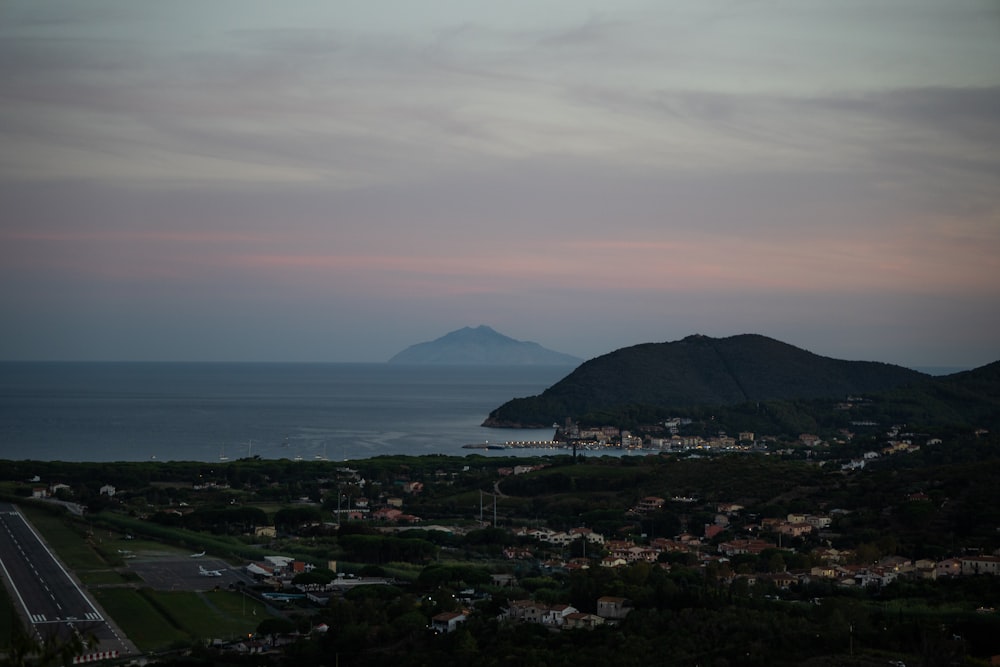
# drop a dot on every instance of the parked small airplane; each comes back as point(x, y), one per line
point(198, 555)
point(209, 573)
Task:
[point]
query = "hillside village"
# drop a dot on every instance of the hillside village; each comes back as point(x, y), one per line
point(546, 550)
point(574, 544)
point(733, 530)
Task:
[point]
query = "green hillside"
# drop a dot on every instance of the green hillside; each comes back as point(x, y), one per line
point(699, 371)
point(968, 399)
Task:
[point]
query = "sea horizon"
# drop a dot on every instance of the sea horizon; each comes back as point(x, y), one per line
point(226, 410)
point(217, 411)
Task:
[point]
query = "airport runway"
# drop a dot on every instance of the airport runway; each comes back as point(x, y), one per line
point(50, 599)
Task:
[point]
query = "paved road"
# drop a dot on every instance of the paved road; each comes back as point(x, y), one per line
point(50, 599)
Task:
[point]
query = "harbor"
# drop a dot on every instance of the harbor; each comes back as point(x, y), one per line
point(517, 444)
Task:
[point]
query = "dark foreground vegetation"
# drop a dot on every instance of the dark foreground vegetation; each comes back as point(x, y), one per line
point(443, 537)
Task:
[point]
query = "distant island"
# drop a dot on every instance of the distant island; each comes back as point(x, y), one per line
point(747, 369)
point(481, 345)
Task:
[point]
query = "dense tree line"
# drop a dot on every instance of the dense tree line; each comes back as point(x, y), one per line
point(216, 520)
point(679, 617)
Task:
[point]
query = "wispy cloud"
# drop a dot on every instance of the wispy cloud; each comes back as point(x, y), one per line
point(457, 158)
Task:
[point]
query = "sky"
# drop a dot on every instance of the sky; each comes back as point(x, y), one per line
point(245, 180)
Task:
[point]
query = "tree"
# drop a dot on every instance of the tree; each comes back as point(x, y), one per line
point(275, 625)
point(51, 650)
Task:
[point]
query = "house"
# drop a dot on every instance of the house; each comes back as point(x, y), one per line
point(713, 529)
point(829, 554)
point(925, 568)
point(387, 514)
point(823, 572)
point(950, 567)
point(279, 563)
point(530, 611)
point(582, 621)
point(541, 534)
point(896, 564)
point(613, 608)
point(503, 580)
point(782, 580)
point(517, 553)
point(818, 521)
point(747, 546)
point(447, 621)
point(663, 544)
point(980, 565)
point(619, 547)
point(794, 529)
point(555, 615)
point(259, 570)
point(106, 490)
point(560, 538)
point(521, 610)
point(587, 534)
point(641, 555)
point(650, 504)
point(771, 523)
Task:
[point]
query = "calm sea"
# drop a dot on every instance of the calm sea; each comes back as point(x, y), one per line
point(202, 412)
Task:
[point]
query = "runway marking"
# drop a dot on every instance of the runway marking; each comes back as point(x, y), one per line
point(58, 564)
point(41, 618)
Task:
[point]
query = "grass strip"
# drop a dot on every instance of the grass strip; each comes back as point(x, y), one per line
point(140, 620)
point(66, 537)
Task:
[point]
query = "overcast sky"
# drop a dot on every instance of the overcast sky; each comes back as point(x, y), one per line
point(335, 181)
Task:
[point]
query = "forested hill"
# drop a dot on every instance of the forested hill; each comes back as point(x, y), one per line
point(970, 398)
point(699, 371)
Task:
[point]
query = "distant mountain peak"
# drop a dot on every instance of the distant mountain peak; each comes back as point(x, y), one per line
point(481, 330)
point(481, 345)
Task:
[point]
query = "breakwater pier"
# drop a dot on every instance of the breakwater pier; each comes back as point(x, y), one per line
point(518, 444)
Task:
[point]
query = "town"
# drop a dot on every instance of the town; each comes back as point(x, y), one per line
point(861, 539)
